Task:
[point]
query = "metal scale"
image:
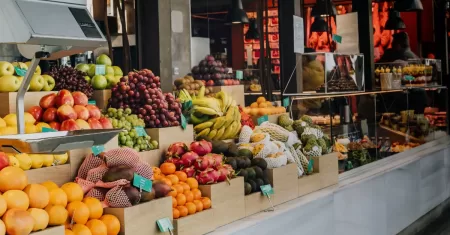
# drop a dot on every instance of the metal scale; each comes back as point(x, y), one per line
point(49, 30)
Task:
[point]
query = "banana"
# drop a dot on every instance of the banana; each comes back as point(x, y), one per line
point(201, 92)
point(237, 129)
point(207, 111)
point(229, 117)
point(219, 123)
point(208, 103)
point(220, 133)
point(229, 131)
point(212, 134)
point(196, 120)
point(204, 133)
point(202, 126)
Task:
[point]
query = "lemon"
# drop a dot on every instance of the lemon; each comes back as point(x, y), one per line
point(13, 161)
point(11, 119)
point(9, 130)
point(2, 123)
point(30, 129)
point(29, 119)
point(47, 160)
point(40, 125)
point(36, 161)
point(25, 161)
point(61, 158)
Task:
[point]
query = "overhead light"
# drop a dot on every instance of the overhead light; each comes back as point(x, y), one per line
point(408, 5)
point(324, 8)
point(319, 25)
point(237, 15)
point(394, 21)
point(252, 32)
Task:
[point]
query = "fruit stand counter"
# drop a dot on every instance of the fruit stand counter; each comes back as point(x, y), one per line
point(394, 192)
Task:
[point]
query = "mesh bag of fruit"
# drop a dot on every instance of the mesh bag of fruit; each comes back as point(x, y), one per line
point(264, 140)
point(90, 162)
point(97, 173)
point(303, 160)
point(98, 193)
point(121, 197)
point(276, 160)
point(267, 149)
point(85, 184)
point(122, 157)
point(300, 169)
point(246, 133)
point(144, 170)
point(117, 183)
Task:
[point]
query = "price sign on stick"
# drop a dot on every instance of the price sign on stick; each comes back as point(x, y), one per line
point(142, 183)
point(165, 225)
point(262, 119)
point(140, 131)
point(286, 102)
point(100, 69)
point(20, 72)
point(267, 191)
point(92, 102)
point(97, 149)
point(183, 122)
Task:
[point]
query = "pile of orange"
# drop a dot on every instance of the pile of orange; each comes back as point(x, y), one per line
point(186, 197)
point(263, 107)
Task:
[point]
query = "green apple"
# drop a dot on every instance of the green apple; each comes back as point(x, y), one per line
point(91, 71)
point(6, 68)
point(49, 83)
point(118, 78)
point(99, 82)
point(111, 80)
point(117, 71)
point(37, 83)
point(21, 80)
point(38, 68)
point(83, 68)
point(109, 70)
point(88, 79)
point(9, 83)
point(103, 59)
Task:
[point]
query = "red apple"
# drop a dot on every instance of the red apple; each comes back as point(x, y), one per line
point(48, 101)
point(64, 97)
point(95, 123)
point(36, 112)
point(69, 125)
point(82, 112)
point(83, 124)
point(4, 160)
point(106, 123)
point(80, 98)
point(94, 111)
point(210, 83)
point(49, 115)
point(66, 112)
point(55, 125)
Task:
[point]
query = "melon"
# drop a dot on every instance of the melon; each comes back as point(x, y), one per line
point(12, 178)
point(16, 199)
point(18, 222)
point(38, 195)
point(40, 217)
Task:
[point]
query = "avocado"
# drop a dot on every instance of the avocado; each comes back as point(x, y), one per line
point(251, 173)
point(248, 188)
point(219, 147)
point(254, 186)
point(246, 153)
point(258, 171)
point(241, 162)
point(117, 173)
point(232, 162)
point(243, 173)
point(266, 181)
point(259, 162)
point(248, 162)
point(259, 183)
point(232, 150)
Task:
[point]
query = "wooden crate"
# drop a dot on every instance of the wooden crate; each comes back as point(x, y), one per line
point(57, 230)
point(235, 91)
point(308, 184)
point(273, 118)
point(101, 98)
point(169, 135)
point(58, 174)
point(8, 104)
point(227, 200)
point(152, 157)
point(141, 219)
point(284, 183)
point(256, 202)
point(198, 223)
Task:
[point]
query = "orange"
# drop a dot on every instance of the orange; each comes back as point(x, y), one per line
point(173, 192)
point(173, 178)
point(254, 105)
point(191, 208)
point(158, 177)
point(68, 232)
point(183, 211)
point(40, 217)
point(199, 205)
point(50, 185)
point(166, 181)
point(192, 182)
point(58, 197)
point(181, 199)
point(197, 193)
point(57, 215)
point(168, 168)
point(112, 224)
point(176, 213)
point(16, 199)
point(78, 211)
point(38, 195)
point(18, 222)
point(189, 196)
point(174, 202)
point(185, 187)
point(12, 177)
point(206, 202)
point(97, 227)
point(74, 192)
point(95, 207)
point(3, 206)
point(261, 99)
point(156, 171)
point(181, 176)
point(81, 229)
point(179, 188)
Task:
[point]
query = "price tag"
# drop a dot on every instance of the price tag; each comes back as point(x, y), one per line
point(337, 38)
point(19, 71)
point(140, 131)
point(310, 165)
point(267, 190)
point(92, 102)
point(46, 129)
point(187, 105)
point(97, 149)
point(262, 119)
point(286, 102)
point(183, 122)
point(142, 183)
point(165, 225)
point(409, 78)
point(239, 74)
point(100, 69)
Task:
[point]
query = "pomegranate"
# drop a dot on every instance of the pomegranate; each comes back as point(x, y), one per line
point(189, 158)
point(216, 159)
point(202, 163)
point(190, 171)
point(176, 150)
point(201, 147)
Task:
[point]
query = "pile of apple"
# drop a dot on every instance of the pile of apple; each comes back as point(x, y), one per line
point(101, 82)
point(66, 111)
point(10, 81)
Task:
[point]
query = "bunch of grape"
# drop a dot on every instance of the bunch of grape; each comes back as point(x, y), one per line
point(71, 79)
point(140, 91)
point(129, 137)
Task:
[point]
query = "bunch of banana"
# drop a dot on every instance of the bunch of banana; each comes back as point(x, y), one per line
point(184, 96)
point(338, 147)
point(226, 101)
point(221, 128)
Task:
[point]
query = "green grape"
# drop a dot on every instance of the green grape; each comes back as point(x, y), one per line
point(129, 143)
point(147, 137)
point(132, 134)
point(112, 110)
point(137, 149)
point(154, 143)
point(150, 146)
point(128, 138)
point(139, 141)
point(128, 111)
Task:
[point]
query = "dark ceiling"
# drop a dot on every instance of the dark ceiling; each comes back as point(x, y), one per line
point(212, 6)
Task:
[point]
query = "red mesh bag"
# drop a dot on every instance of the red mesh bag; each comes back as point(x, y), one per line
point(122, 182)
point(97, 173)
point(84, 184)
point(98, 193)
point(144, 170)
point(122, 157)
point(90, 162)
point(120, 197)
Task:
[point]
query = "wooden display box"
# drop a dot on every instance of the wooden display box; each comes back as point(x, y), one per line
point(273, 118)
point(58, 174)
point(256, 202)
point(57, 230)
point(101, 98)
point(235, 91)
point(169, 135)
point(152, 157)
point(227, 200)
point(198, 223)
point(284, 183)
point(8, 104)
point(141, 219)
point(325, 174)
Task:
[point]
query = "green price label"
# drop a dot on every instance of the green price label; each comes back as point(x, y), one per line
point(97, 149)
point(286, 102)
point(183, 122)
point(239, 74)
point(267, 190)
point(142, 183)
point(164, 225)
point(337, 38)
point(140, 131)
point(409, 78)
point(100, 69)
point(262, 119)
point(310, 165)
point(21, 72)
point(46, 129)
point(187, 105)
point(92, 102)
